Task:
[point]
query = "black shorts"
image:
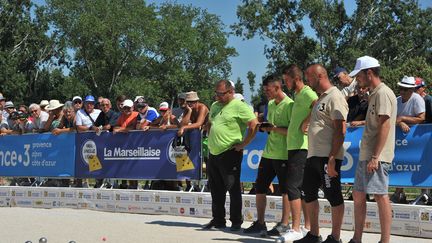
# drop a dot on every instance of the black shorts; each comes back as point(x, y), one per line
point(267, 170)
point(296, 163)
point(315, 176)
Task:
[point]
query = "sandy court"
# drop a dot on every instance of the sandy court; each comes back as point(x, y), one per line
point(85, 226)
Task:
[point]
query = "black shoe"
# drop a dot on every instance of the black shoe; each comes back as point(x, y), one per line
point(256, 228)
point(353, 241)
point(235, 227)
point(331, 239)
point(278, 230)
point(213, 224)
point(309, 238)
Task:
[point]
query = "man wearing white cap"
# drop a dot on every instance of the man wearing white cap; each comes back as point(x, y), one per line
point(77, 103)
point(376, 149)
point(410, 105)
point(166, 120)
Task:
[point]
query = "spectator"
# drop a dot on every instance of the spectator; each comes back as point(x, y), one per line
point(358, 105)
point(108, 118)
point(2, 107)
point(128, 119)
point(119, 102)
point(26, 110)
point(77, 102)
point(198, 115)
point(182, 109)
point(40, 117)
point(86, 117)
point(421, 90)
point(9, 107)
point(55, 111)
point(4, 127)
point(166, 120)
point(22, 124)
point(43, 105)
point(343, 79)
point(146, 115)
point(67, 123)
point(410, 105)
point(97, 105)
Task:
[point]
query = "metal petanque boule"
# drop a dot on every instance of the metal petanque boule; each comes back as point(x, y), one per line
point(43, 240)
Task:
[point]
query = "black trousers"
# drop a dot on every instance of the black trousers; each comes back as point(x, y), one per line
point(224, 175)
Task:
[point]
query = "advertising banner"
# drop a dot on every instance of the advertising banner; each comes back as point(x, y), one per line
point(412, 164)
point(138, 155)
point(37, 155)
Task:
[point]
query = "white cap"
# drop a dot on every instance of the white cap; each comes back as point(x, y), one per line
point(163, 106)
point(44, 103)
point(76, 98)
point(232, 83)
point(128, 103)
point(139, 97)
point(238, 96)
point(362, 63)
point(407, 82)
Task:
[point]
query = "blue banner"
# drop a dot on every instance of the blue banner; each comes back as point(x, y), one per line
point(138, 155)
point(37, 155)
point(412, 165)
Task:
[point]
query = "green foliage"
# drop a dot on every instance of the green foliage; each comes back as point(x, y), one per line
point(394, 32)
point(238, 87)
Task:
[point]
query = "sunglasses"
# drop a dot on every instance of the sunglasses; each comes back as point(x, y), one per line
point(126, 108)
point(77, 102)
point(104, 104)
point(221, 93)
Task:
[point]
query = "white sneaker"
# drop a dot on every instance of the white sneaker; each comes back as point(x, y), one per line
point(290, 235)
point(304, 230)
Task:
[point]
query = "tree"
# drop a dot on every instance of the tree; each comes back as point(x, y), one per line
point(27, 54)
point(238, 87)
point(251, 78)
point(391, 31)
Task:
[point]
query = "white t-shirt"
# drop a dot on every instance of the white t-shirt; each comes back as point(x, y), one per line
point(413, 107)
point(82, 119)
point(39, 123)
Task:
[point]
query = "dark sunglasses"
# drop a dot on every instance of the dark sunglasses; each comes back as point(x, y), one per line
point(221, 93)
point(77, 102)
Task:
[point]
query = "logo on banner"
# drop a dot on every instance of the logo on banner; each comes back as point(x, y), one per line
point(89, 155)
point(179, 156)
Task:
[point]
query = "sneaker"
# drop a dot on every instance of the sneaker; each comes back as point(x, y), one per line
point(256, 228)
point(213, 224)
point(304, 230)
point(278, 230)
point(309, 238)
point(331, 239)
point(290, 235)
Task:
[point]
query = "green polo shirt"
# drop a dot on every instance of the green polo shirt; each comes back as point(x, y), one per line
point(228, 125)
point(296, 139)
point(280, 116)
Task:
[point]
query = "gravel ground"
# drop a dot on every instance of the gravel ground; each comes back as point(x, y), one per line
point(19, 225)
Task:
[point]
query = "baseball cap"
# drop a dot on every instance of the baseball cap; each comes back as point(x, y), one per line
point(338, 70)
point(419, 82)
point(163, 106)
point(77, 98)
point(127, 103)
point(362, 63)
point(238, 96)
point(181, 96)
point(2, 97)
point(89, 98)
point(407, 82)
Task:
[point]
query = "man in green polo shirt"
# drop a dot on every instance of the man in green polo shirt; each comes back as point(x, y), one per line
point(228, 120)
point(297, 145)
point(274, 157)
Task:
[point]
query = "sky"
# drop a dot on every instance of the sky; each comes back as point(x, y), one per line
point(250, 52)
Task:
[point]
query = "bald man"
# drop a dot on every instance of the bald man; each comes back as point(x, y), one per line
point(324, 159)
